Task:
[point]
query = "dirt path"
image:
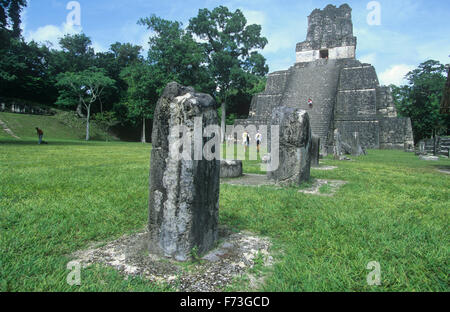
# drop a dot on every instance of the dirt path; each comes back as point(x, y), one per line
point(7, 130)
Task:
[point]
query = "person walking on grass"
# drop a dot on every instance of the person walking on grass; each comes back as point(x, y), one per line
point(40, 134)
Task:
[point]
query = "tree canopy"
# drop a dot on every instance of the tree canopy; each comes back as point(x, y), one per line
point(230, 46)
point(86, 87)
point(176, 55)
point(143, 82)
point(217, 53)
point(420, 99)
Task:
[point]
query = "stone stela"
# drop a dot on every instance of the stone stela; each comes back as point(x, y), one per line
point(295, 143)
point(184, 194)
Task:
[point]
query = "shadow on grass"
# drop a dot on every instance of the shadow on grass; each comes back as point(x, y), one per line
point(441, 167)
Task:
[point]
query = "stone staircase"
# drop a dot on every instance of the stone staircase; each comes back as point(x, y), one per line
point(317, 81)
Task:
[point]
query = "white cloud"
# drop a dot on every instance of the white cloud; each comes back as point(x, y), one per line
point(369, 58)
point(51, 33)
point(395, 74)
point(254, 17)
point(278, 38)
point(98, 47)
point(279, 41)
point(135, 34)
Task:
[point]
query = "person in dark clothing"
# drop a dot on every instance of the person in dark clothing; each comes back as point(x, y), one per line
point(40, 134)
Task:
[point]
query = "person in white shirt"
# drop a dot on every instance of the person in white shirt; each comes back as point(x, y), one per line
point(246, 140)
point(258, 139)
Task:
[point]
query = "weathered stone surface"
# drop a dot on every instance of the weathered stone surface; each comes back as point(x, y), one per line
point(429, 158)
point(265, 159)
point(330, 35)
point(345, 93)
point(233, 258)
point(295, 142)
point(346, 149)
point(357, 149)
point(337, 149)
point(230, 168)
point(315, 151)
point(440, 146)
point(184, 194)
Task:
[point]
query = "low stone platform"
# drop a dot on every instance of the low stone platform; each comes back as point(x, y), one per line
point(324, 187)
point(444, 170)
point(325, 168)
point(233, 257)
point(319, 187)
point(254, 180)
point(429, 158)
point(230, 168)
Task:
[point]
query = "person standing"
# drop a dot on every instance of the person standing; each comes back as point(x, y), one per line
point(258, 139)
point(245, 140)
point(40, 134)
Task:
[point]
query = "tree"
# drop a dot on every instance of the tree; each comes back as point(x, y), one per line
point(77, 55)
point(176, 55)
point(420, 99)
point(143, 85)
point(77, 52)
point(14, 10)
point(24, 71)
point(3, 13)
point(445, 103)
point(114, 61)
point(126, 54)
point(87, 86)
point(230, 45)
point(105, 121)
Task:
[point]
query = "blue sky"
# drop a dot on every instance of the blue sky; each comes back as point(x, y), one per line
point(411, 31)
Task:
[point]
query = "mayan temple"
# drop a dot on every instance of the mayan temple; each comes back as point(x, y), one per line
point(337, 91)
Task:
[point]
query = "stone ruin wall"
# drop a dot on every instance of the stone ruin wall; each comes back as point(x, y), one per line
point(356, 106)
point(330, 29)
point(346, 93)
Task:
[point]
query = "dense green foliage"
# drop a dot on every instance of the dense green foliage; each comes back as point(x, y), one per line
point(143, 82)
point(60, 198)
point(86, 87)
point(230, 46)
point(227, 66)
point(421, 100)
point(445, 103)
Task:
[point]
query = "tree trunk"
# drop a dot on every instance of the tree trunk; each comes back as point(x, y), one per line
point(143, 138)
point(223, 126)
point(87, 122)
point(80, 111)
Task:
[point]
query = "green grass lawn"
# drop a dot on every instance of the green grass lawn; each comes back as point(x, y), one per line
point(62, 126)
point(59, 198)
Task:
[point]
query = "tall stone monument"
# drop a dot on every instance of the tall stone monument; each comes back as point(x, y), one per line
point(337, 91)
point(337, 147)
point(357, 149)
point(295, 140)
point(184, 192)
point(315, 151)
